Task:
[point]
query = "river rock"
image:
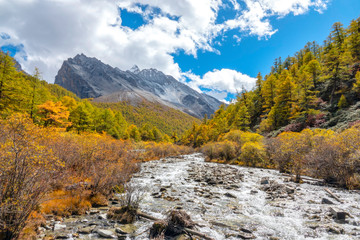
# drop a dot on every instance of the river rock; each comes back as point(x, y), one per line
point(61, 236)
point(126, 229)
point(289, 190)
point(253, 192)
point(59, 226)
point(86, 230)
point(70, 220)
point(94, 211)
point(335, 230)
point(122, 237)
point(244, 235)
point(264, 180)
point(338, 213)
point(230, 195)
point(326, 201)
point(106, 233)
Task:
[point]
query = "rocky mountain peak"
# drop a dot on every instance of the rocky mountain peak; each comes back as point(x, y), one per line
point(90, 78)
point(135, 69)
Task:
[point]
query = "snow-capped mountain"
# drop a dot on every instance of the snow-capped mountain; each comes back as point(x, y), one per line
point(90, 78)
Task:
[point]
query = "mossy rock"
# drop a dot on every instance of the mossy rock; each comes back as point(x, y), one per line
point(126, 229)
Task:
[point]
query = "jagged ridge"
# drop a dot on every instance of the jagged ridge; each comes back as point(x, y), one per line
point(91, 78)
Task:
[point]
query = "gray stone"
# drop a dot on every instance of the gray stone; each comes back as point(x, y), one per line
point(264, 181)
point(94, 211)
point(126, 229)
point(335, 230)
point(289, 190)
point(338, 213)
point(59, 226)
point(244, 235)
point(106, 233)
point(122, 237)
point(61, 236)
point(230, 195)
point(86, 230)
point(326, 201)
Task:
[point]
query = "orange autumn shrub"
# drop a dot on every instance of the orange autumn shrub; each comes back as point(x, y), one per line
point(153, 150)
point(97, 159)
point(223, 151)
point(27, 167)
point(62, 203)
point(336, 158)
point(320, 153)
point(240, 147)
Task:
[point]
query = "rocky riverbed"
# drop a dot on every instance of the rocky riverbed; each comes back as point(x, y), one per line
point(226, 202)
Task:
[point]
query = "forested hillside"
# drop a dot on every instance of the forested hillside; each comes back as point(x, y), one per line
point(170, 121)
point(317, 87)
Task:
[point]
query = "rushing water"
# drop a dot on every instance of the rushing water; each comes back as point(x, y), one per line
point(222, 209)
point(227, 201)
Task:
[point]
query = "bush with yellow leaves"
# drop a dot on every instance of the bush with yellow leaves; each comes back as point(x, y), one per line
point(253, 154)
point(27, 167)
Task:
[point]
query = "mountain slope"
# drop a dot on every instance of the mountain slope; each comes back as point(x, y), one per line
point(90, 78)
point(166, 119)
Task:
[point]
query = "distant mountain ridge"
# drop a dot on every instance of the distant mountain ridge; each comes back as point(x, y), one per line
point(90, 78)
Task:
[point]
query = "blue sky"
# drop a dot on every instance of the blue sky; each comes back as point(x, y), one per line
point(215, 46)
point(252, 55)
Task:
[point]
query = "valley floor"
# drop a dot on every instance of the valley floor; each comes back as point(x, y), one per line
point(229, 202)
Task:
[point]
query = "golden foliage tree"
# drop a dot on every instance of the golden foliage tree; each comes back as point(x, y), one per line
point(54, 114)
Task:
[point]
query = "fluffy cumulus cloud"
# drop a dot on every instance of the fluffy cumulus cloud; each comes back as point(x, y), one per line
point(219, 83)
point(50, 31)
point(255, 18)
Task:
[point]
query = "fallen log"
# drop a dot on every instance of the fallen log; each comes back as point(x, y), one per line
point(144, 215)
point(186, 230)
point(198, 234)
point(333, 195)
point(310, 179)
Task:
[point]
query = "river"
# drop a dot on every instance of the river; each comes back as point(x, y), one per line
point(229, 202)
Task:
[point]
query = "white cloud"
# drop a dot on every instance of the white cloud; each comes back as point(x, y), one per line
point(54, 30)
point(220, 82)
point(255, 19)
point(237, 39)
point(235, 4)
